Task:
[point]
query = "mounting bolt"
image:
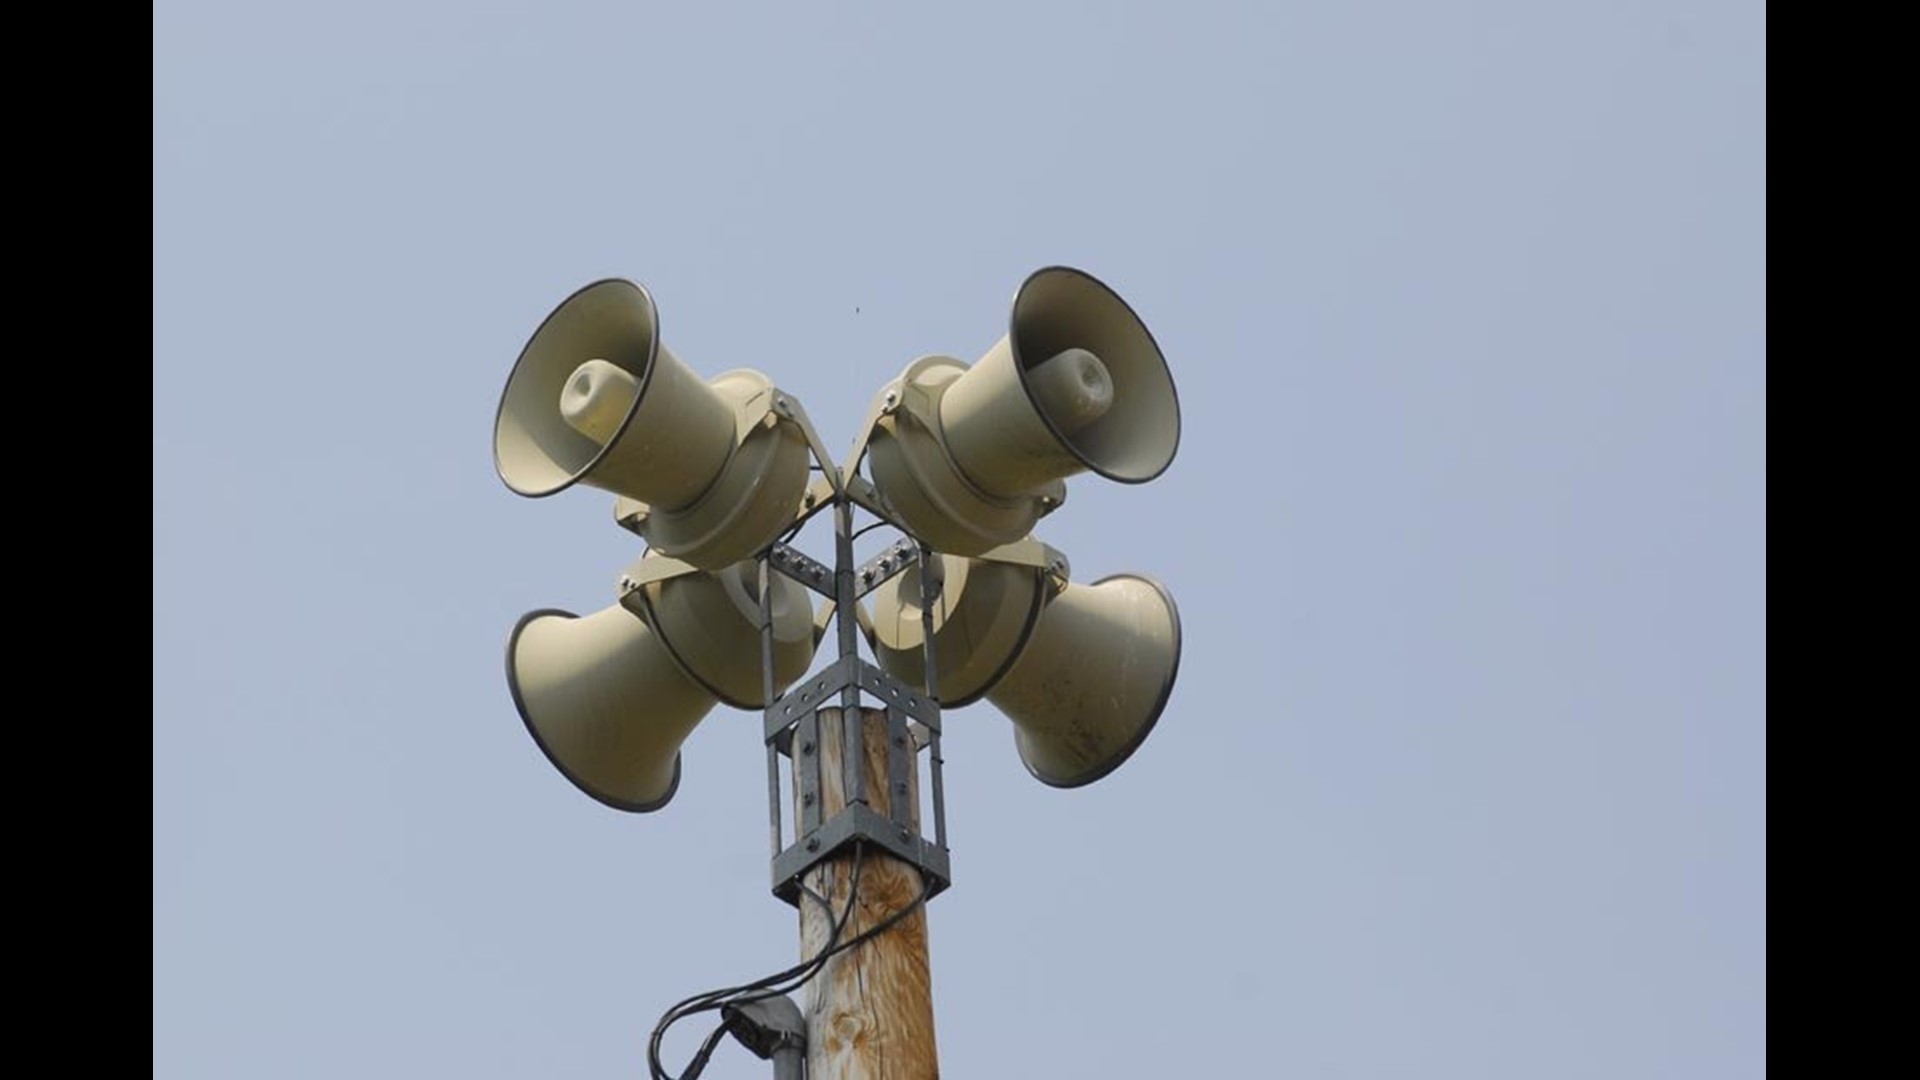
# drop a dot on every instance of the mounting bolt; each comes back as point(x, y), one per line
point(806, 748)
point(813, 843)
point(892, 398)
point(899, 740)
point(906, 833)
point(807, 799)
point(901, 787)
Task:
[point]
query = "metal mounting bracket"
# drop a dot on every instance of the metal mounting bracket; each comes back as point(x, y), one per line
point(863, 494)
point(791, 723)
point(887, 400)
point(1032, 552)
point(789, 407)
point(651, 568)
point(792, 729)
point(803, 569)
point(883, 567)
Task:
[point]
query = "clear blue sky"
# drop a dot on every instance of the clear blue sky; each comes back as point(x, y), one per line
point(1464, 776)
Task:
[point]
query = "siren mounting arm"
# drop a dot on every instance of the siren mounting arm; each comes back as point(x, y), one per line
point(789, 406)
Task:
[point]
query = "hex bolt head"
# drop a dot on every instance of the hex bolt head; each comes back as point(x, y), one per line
point(813, 843)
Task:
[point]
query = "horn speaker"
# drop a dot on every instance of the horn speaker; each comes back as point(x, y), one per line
point(610, 697)
point(1083, 675)
point(605, 702)
point(596, 398)
point(1093, 680)
point(971, 457)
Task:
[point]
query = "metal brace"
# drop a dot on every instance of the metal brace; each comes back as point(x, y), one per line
point(651, 568)
point(807, 571)
point(791, 725)
point(863, 494)
point(1032, 552)
point(883, 403)
point(788, 406)
point(792, 729)
point(885, 566)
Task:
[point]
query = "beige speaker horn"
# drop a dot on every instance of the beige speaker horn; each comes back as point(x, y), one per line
point(971, 457)
point(1093, 679)
point(610, 697)
point(605, 702)
point(596, 398)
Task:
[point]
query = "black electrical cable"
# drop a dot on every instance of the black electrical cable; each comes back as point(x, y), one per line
point(788, 536)
point(862, 938)
point(774, 984)
point(715, 999)
point(769, 986)
point(698, 1064)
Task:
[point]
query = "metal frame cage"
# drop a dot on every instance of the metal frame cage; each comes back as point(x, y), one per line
point(792, 722)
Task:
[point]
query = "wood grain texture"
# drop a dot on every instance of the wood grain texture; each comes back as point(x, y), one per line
point(870, 1011)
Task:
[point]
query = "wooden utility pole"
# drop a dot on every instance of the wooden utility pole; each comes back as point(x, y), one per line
point(870, 1010)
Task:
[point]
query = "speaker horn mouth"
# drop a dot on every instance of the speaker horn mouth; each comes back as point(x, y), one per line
point(1160, 703)
point(542, 385)
point(520, 706)
point(1136, 439)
